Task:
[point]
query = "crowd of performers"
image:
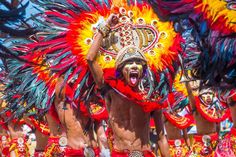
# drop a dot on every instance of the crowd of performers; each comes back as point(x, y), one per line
point(76, 65)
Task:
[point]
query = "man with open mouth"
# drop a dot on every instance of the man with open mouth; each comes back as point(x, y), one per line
point(128, 121)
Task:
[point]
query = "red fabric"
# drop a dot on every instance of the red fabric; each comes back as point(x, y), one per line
point(3, 124)
point(40, 126)
point(52, 140)
point(207, 114)
point(198, 138)
point(125, 153)
point(79, 152)
point(5, 151)
point(180, 122)
point(101, 113)
point(22, 149)
point(83, 109)
point(233, 131)
point(172, 142)
point(72, 152)
point(233, 95)
point(52, 111)
point(97, 151)
point(38, 153)
point(224, 148)
point(138, 98)
point(4, 146)
point(53, 148)
point(152, 123)
point(101, 116)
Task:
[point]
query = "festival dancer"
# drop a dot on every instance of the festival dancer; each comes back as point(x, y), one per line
point(4, 137)
point(59, 49)
point(79, 127)
point(232, 134)
point(129, 123)
point(57, 138)
point(41, 143)
point(15, 144)
point(4, 142)
point(177, 120)
point(208, 26)
point(207, 112)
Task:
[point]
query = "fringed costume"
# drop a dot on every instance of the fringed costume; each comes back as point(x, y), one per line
point(19, 147)
point(127, 153)
point(55, 146)
point(65, 31)
point(178, 148)
point(204, 145)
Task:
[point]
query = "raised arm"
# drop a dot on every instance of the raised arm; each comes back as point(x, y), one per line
point(94, 67)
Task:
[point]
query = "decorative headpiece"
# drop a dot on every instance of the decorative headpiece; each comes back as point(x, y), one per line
point(138, 26)
point(205, 90)
point(128, 53)
point(65, 34)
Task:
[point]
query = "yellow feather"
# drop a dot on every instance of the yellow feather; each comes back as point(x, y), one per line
point(215, 9)
point(148, 15)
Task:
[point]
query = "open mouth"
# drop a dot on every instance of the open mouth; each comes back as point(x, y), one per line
point(133, 77)
point(209, 100)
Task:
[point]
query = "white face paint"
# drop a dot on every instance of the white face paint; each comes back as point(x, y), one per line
point(132, 72)
point(207, 97)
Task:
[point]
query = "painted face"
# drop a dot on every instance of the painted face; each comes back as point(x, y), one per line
point(207, 97)
point(132, 72)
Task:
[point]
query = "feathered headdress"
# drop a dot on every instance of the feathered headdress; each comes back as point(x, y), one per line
point(208, 27)
point(65, 31)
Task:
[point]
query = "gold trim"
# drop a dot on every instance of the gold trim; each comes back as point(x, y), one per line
point(140, 37)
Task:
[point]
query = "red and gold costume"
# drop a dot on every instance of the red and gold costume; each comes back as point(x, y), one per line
point(38, 153)
point(82, 152)
point(19, 147)
point(53, 147)
point(57, 146)
point(233, 139)
point(225, 147)
point(127, 153)
point(4, 145)
point(4, 139)
point(178, 148)
point(204, 145)
point(210, 112)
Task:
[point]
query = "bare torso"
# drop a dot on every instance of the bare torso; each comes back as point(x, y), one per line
point(73, 121)
point(75, 124)
point(41, 141)
point(172, 131)
point(203, 126)
point(130, 124)
point(55, 128)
